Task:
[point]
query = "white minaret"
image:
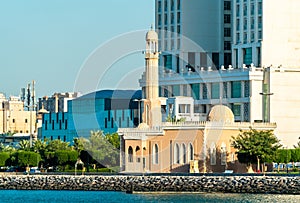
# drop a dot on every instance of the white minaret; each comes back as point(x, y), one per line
point(152, 107)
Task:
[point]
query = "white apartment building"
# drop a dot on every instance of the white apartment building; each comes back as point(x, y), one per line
point(266, 33)
point(193, 33)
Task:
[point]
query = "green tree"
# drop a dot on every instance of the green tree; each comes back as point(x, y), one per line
point(4, 157)
point(57, 145)
point(295, 155)
point(113, 139)
point(283, 156)
point(64, 157)
point(254, 144)
point(28, 158)
point(99, 146)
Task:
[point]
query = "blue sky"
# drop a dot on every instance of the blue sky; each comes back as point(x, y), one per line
point(49, 40)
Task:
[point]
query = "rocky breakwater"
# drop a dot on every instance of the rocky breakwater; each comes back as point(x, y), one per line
point(226, 184)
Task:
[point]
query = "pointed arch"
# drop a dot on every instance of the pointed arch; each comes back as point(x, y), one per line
point(223, 154)
point(155, 154)
point(130, 154)
point(191, 152)
point(176, 154)
point(213, 154)
point(183, 151)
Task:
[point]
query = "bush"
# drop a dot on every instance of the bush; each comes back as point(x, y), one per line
point(4, 157)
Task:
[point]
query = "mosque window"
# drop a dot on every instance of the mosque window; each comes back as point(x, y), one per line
point(184, 160)
point(213, 155)
point(130, 154)
point(191, 152)
point(176, 154)
point(155, 154)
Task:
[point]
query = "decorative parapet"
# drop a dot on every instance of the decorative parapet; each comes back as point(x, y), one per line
point(137, 133)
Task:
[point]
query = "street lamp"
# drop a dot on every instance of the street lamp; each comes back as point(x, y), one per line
point(266, 105)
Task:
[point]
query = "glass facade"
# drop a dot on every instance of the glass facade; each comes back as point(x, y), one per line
point(195, 91)
point(215, 91)
point(236, 89)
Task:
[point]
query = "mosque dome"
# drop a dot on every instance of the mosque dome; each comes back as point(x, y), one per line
point(143, 126)
point(221, 113)
point(151, 35)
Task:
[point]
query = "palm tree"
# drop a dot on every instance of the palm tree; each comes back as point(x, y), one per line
point(24, 145)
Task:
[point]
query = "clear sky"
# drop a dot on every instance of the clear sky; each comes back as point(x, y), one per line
point(49, 40)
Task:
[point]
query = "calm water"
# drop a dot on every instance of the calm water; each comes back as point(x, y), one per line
point(15, 196)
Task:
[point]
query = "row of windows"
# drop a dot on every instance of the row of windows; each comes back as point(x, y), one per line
point(172, 19)
point(252, 23)
point(208, 90)
point(58, 137)
point(60, 126)
point(166, 5)
point(245, 9)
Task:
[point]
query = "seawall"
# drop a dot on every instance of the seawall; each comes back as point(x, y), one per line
point(129, 183)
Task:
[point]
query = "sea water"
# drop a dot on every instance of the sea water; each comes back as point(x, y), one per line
point(41, 196)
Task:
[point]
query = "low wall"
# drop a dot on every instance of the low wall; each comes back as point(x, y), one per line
point(228, 184)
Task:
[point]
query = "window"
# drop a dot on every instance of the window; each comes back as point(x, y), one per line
point(215, 60)
point(195, 91)
point(175, 90)
point(227, 32)
point(178, 4)
point(237, 10)
point(247, 56)
point(203, 59)
point(227, 59)
point(227, 5)
point(167, 61)
point(245, 24)
point(227, 45)
point(215, 91)
point(204, 90)
point(223, 154)
point(172, 18)
point(66, 124)
point(159, 20)
point(166, 19)
point(58, 137)
point(225, 90)
point(245, 10)
point(246, 89)
point(26, 121)
point(176, 154)
point(166, 5)
point(183, 148)
point(13, 120)
point(51, 138)
point(227, 18)
point(236, 89)
point(213, 155)
point(178, 17)
point(159, 6)
point(237, 24)
point(65, 138)
point(172, 5)
point(178, 29)
point(236, 109)
point(130, 154)
point(155, 154)
point(191, 152)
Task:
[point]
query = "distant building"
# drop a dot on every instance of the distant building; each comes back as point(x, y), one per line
point(58, 102)
point(13, 117)
point(104, 110)
point(266, 33)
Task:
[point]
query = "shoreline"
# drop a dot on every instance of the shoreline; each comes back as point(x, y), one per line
point(155, 184)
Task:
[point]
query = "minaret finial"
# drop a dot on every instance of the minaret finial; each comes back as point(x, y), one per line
point(152, 26)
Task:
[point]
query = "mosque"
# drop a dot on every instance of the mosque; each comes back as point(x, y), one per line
point(190, 144)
